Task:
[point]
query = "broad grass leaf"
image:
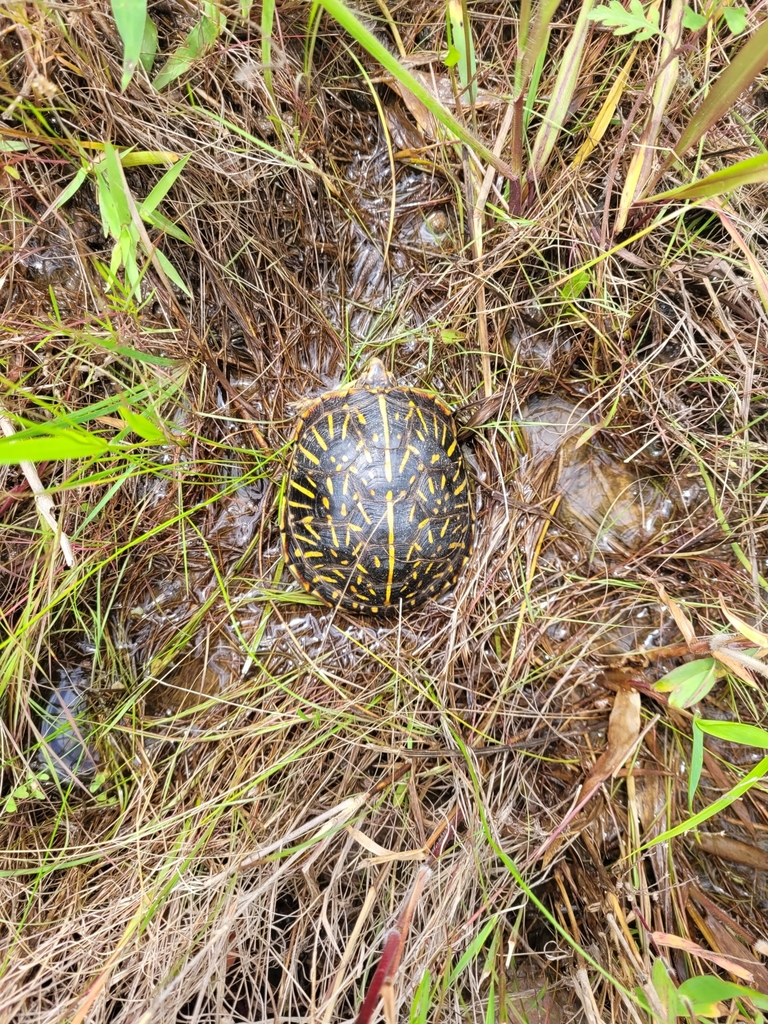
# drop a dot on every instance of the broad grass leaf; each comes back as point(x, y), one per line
point(688, 684)
point(130, 18)
point(64, 444)
point(666, 990)
point(744, 68)
point(752, 171)
point(163, 186)
point(142, 425)
point(157, 220)
point(200, 38)
point(114, 181)
point(148, 45)
point(172, 272)
point(706, 992)
point(734, 732)
point(71, 188)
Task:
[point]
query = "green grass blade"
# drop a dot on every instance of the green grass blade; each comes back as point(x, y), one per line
point(267, 23)
point(697, 763)
point(130, 18)
point(197, 42)
point(161, 189)
point(757, 774)
point(157, 220)
point(744, 68)
point(753, 171)
point(472, 950)
point(64, 444)
point(142, 425)
point(734, 732)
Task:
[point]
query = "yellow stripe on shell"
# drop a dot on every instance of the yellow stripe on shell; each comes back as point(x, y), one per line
point(385, 425)
point(309, 455)
point(391, 542)
point(320, 439)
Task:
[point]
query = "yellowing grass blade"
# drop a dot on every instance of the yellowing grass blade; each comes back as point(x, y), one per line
point(641, 165)
point(461, 40)
point(758, 273)
point(606, 112)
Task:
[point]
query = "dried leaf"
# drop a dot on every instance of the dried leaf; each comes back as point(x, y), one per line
point(623, 732)
point(677, 942)
point(755, 636)
point(733, 850)
point(732, 663)
point(682, 621)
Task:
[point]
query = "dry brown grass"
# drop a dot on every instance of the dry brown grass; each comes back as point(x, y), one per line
point(236, 720)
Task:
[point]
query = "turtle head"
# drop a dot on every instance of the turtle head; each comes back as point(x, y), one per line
point(376, 375)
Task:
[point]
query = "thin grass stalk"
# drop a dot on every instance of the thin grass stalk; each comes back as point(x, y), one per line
point(641, 165)
point(562, 94)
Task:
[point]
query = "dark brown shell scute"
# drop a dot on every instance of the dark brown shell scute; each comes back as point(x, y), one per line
point(377, 512)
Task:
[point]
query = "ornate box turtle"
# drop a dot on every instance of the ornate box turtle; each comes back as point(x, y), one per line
point(376, 514)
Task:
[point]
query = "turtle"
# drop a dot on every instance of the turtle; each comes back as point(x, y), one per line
point(376, 515)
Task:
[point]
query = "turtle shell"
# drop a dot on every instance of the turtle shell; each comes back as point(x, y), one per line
point(376, 513)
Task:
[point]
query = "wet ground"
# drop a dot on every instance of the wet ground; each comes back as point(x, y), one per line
point(197, 640)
